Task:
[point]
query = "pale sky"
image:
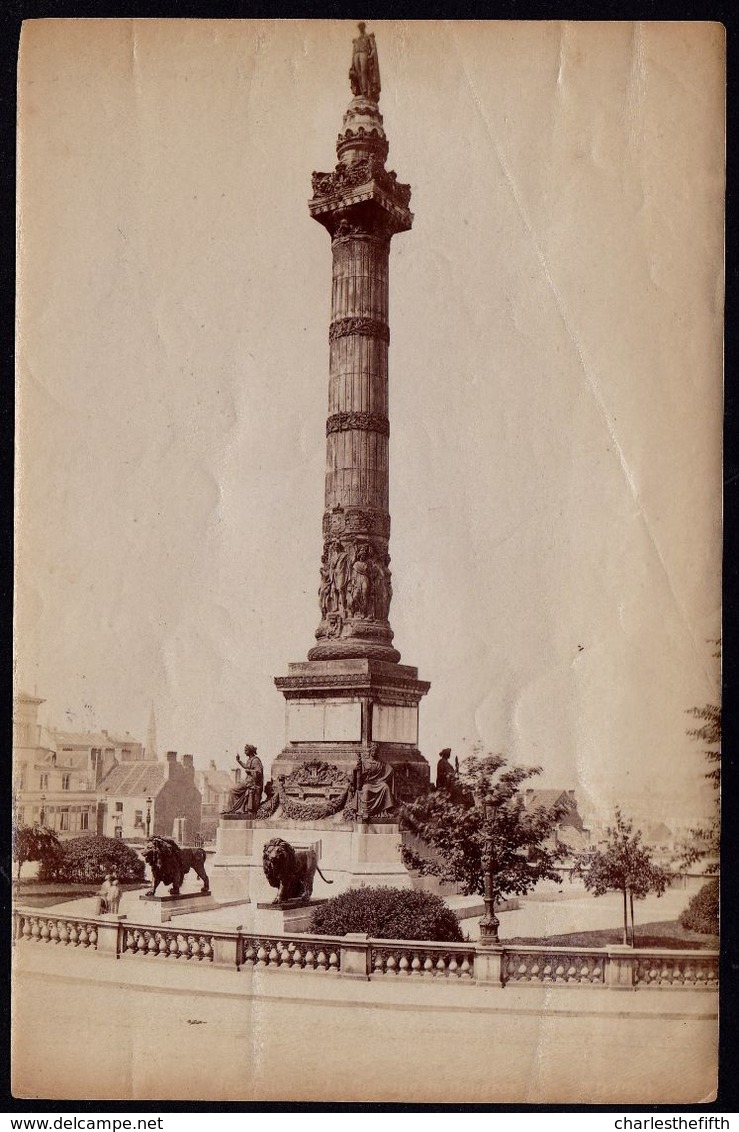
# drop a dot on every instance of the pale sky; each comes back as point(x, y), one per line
point(555, 383)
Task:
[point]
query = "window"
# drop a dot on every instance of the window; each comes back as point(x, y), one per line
point(44, 785)
point(84, 820)
point(119, 807)
point(66, 778)
point(139, 818)
point(64, 817)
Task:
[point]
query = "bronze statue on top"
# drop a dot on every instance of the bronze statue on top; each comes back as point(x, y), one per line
point(364, 73)
point(247, 794)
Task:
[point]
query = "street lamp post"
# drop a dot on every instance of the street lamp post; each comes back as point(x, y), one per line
point(148, 818)
point(42, 815)
point(490, 923)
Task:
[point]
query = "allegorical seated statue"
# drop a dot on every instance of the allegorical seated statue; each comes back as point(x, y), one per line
point(247, 794)
point(373, 786)
point(169, 864)
point(291, 871)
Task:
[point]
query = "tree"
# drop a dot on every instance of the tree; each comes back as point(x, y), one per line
point(453, 826)
point(626, 866)
point(34, 843)
point(704, 840)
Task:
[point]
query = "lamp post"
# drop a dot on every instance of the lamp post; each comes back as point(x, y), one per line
point(490, 923)
point(42, 815)
point(148, 818)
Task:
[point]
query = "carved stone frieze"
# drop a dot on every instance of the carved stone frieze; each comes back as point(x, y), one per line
point(355, 520)
point(370, 168)
point(367, 327)
point(362, 422)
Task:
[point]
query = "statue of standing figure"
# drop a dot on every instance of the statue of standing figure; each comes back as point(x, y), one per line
point(364, 73)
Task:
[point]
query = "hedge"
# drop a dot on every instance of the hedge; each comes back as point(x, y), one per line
point(388, 913)
point(701, 914)
point(86, 860)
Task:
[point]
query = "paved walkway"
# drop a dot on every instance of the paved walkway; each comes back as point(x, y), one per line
point(150, 1029)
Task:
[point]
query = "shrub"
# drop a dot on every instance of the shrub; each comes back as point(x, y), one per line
point(701, 914)
point(388, 913)
point(86, 860)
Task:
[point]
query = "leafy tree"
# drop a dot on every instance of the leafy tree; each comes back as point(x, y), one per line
point(34, 843)
point(387, 913)
point(625, 866)
point(704, 841)
point(453, 826)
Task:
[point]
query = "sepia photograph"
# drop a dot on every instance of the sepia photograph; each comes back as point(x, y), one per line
point(367, 623)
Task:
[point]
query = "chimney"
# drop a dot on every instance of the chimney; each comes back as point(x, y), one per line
point(171, 762)
point(188, 764)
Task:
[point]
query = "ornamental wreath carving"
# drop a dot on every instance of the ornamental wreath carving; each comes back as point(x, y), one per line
point(368, 327)
point(363, 422)
point(293, 790)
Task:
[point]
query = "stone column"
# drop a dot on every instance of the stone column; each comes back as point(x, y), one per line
point(362, 206)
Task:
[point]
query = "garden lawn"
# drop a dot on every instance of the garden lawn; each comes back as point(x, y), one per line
point(660, 933)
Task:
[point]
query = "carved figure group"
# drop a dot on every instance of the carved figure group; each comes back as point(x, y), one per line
point(169, 864)
point(355, 582)
point(291, 871)
point(247, 794)
point(364, 73)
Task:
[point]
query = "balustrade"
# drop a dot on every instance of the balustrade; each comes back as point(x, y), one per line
point(423, 961)
point(57, 930)
point(171, 944)
point(693, 969)
point(307, 953)
point(552, 966)
point(358, 956)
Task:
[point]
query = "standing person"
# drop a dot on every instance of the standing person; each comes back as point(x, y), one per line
point(114, 895)
point(103, 896)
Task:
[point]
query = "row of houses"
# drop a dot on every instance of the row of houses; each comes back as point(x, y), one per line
point(78, 782)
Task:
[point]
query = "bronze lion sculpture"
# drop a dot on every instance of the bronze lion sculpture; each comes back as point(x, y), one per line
point(169, 864)
point(291, 871)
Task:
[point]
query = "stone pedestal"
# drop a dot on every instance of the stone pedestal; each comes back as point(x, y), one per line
point(161, 909)
point(349, 855)
point(284, 919)
point(336, 708)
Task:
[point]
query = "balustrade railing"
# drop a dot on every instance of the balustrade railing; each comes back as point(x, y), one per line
point(361, 957)
point(65, 931)
point(167, 943)
point(554, 965)
point(312, 953)
point(422, 960)
point(676, 969)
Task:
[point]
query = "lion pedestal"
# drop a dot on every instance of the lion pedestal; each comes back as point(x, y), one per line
point(161, 909)
point(350, 855)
